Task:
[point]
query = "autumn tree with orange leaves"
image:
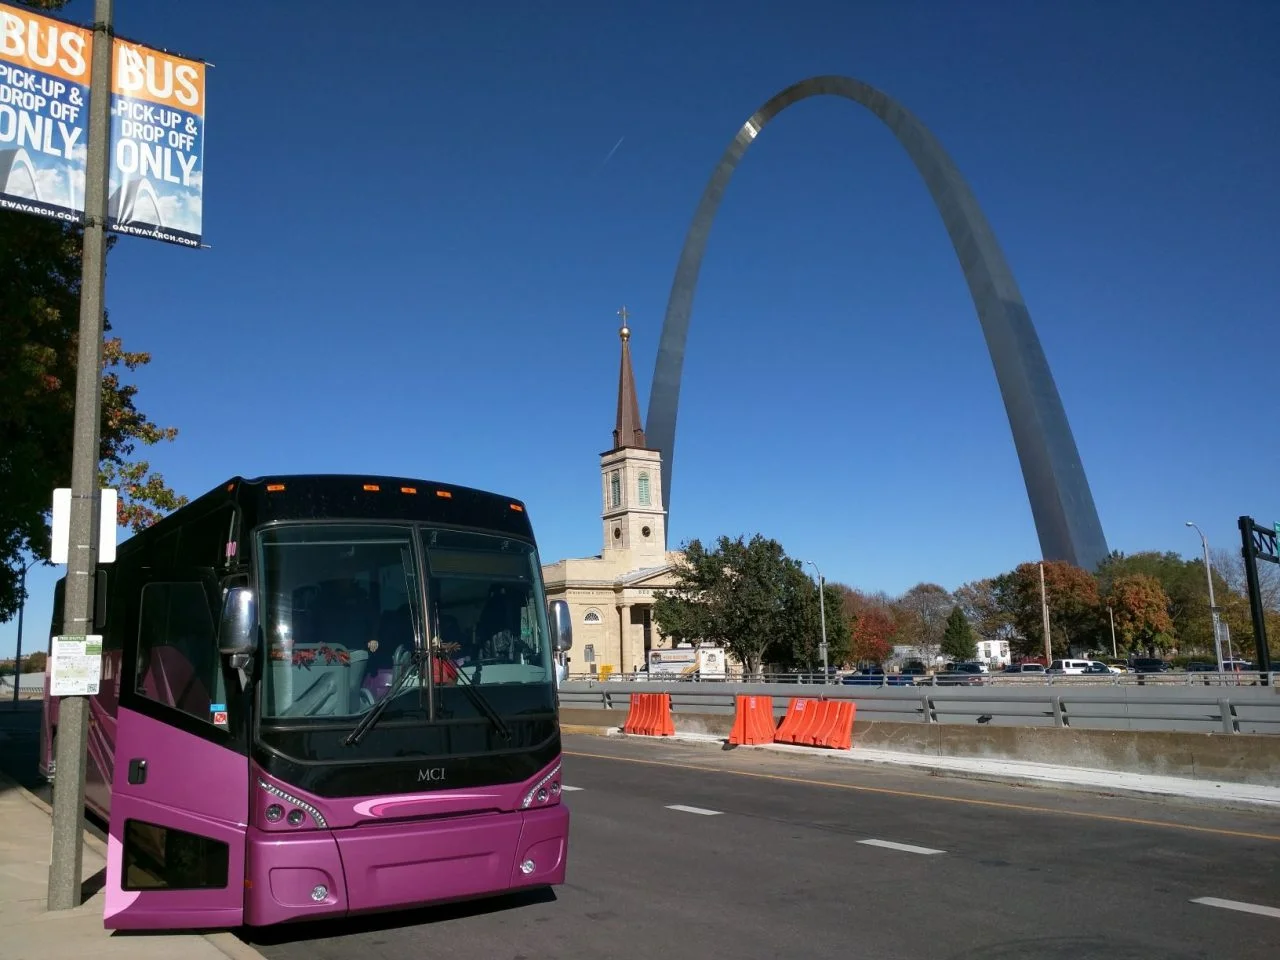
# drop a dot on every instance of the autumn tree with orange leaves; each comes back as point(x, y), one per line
point(1141, 610)
point(39, 324)
point(1072, 598)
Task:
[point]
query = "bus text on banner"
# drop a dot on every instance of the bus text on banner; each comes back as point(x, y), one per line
point(44, 124)
point(157, 129)
point(157, 145)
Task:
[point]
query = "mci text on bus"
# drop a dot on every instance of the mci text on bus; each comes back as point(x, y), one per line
point(322, 696)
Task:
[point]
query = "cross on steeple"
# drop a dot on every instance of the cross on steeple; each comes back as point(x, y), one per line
point(625, 332)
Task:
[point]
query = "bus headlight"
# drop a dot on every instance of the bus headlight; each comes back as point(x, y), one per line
point(539, 791)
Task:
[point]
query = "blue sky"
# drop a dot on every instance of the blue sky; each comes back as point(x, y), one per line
point(418, 251)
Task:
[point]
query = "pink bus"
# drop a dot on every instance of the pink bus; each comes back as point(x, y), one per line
point(324, 696)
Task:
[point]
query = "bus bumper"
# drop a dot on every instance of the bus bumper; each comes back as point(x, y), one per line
point(327, 873)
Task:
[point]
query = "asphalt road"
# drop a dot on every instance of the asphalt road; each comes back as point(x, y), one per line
point(770, 858)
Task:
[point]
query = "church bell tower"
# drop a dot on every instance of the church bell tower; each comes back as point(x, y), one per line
point(631, 479)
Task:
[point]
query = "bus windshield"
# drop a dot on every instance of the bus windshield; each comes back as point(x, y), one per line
point(344, 620)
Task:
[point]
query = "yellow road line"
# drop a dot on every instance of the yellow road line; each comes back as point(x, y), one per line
point(999, 804)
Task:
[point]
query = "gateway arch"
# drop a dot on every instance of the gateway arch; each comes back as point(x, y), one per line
point(1062, 505)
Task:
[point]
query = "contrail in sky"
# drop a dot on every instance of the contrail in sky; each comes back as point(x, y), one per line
point(610, 154)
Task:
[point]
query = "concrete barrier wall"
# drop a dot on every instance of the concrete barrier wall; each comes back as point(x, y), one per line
point(1235, 758)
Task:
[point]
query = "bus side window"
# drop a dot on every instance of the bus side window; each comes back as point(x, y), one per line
point(177, 653)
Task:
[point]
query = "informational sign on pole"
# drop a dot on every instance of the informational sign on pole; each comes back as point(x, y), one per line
point(75, 667)
point(157, 129)
point(44, 122)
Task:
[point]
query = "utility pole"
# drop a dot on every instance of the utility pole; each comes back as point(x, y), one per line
point(1044, 613)
point(1112, 618)
point(1213, 607)
point(82, 553)
point(822, 614)
point(17, 656)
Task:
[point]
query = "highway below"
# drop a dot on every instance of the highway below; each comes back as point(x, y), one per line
point(689, 851)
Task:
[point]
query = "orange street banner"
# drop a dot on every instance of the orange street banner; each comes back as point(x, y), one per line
point(157, 129)
point(157, 145)
point(44, 125)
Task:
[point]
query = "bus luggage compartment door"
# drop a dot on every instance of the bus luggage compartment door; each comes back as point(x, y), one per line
point(179, 809)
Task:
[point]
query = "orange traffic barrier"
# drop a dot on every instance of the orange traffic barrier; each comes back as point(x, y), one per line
point(818, 723)
point(752, 720)
point(650, 715)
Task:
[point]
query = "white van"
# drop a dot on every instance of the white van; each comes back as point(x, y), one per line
point(1068, 666)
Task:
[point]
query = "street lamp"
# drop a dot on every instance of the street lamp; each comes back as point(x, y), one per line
point(822, 613)
point(1111, 617)
point(17, 656)
point(1213, 607)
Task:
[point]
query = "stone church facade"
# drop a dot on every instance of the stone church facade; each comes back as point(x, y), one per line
point(610, 595)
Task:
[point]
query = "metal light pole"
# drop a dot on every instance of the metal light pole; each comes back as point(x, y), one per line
point(1044, 613)
point(822, 613)
point(17, 657)
point(82, 545)
point(1111, 617)
point(1213, 607)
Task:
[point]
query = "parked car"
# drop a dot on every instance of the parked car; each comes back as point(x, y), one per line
point(1150, 665)
point(876, 677)
point(1028, 667)
point(960, 674)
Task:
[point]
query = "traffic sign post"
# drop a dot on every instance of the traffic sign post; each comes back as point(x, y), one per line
point(1259, 543)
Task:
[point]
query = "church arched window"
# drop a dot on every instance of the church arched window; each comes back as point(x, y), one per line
point(615, 489)
point(643, 489)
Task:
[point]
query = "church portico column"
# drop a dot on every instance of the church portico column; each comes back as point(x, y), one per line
point(626, 641)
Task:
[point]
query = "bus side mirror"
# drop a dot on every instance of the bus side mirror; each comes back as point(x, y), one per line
point(561, 625)
point(237, 631)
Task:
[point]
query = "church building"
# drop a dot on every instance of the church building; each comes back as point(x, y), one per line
point(610, 595)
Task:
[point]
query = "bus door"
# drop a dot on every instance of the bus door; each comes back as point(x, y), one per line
point(180, 788)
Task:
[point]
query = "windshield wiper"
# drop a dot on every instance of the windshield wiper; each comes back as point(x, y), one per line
point(477, 698)
point(380, 705)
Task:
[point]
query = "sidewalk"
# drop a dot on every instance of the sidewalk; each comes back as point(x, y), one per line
point(32, 933)
point(1017, 772)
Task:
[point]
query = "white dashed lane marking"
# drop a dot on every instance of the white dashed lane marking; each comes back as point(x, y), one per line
point(1237, 905)
point(904, 847)
point(699, 810)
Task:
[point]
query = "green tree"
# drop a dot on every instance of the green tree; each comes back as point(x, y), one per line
point(805, 620)
point(1183, 583)
point(735, 595)
point(39, 321)
point(983, 606)
point(958, 640)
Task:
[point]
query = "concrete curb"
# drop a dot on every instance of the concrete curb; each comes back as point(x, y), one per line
point(589, 730)
point(1097, 782)
point(228, 944)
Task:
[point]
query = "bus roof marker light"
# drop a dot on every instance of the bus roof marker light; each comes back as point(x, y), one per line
point(444, 494)
point(274, 487)
point(517, 508)
point(372, 487)
point(410, 490)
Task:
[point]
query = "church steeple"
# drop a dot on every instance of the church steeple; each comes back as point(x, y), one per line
point(628, 431)
point(631, 480)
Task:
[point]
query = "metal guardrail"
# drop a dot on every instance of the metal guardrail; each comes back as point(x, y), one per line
point(1174, 707)
point(1170, 677)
